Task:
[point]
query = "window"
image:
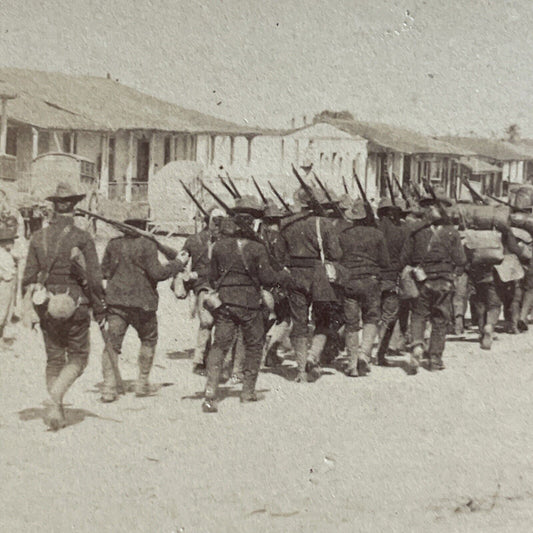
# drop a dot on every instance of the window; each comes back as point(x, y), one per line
point(11, 141)
point(44, 142)
point(166, 156)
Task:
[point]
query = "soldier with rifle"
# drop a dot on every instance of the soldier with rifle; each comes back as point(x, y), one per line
point(240, 268)
point(59, 300)
point(435, 250)
point(132, 270)
point(395, 233)
point(364, 256)
point(308, 242)
point(199, 248)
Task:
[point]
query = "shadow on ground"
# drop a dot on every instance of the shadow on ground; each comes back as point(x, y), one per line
point(223, 393)
point(72, 416)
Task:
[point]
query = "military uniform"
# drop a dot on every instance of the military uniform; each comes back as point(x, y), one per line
point(49, 261)
point(199, 247)
point(438, 251)
point(239, 268)
point(299, 244)
point(133, 270)
point(395, 234)
point(364, 256)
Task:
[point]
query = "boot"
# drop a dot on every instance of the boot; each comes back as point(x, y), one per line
point(109, 389)
point(414, 361)
point(487, 337)
point(367, 342)
point(435, 363)
point(459, 327)
point(312, 366)
point(300, 347)
point(146, 358)
point(55, 417)
point(352, 347)
point(527, 304)
point(209, 405)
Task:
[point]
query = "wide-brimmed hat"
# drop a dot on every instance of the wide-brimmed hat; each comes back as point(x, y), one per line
point(345, 201)
point(386, 206)
point(357, 211)
point(273, 212)
point(65, 191)
point(441, 197)
point(249, 204)
point(8, 228)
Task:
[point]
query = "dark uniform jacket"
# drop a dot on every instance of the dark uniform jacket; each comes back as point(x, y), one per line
point(132, 269)
point(239, 284)
point(395, 236)
point(197, 246)
point(298, 241)
point(44, 247)
point(437, 249)
point(364, 252)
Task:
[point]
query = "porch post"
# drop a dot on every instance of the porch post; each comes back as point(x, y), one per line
point(3, 121)
point(151, 156)
point(129, 168)
point(34, 143)
point(104, 171)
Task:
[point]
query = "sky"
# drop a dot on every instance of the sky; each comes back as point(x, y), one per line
point(440, 67)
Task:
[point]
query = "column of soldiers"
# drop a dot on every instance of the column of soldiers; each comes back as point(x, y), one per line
point(324, 271)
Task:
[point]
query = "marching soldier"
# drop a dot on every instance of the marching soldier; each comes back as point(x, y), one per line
point(61, 304)
point(199, 247)
point(132, 270)
point(435, 250)
point(307, 242)
point(239, 268)
point(394, 233)
point(364, 255)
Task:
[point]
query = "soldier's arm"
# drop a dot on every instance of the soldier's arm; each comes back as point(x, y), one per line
point(110, 260)
point(152, 266)
point(383, 254)
point(457, 250)
point(92, 267)
point(406, 254)
point(31, 271)
point(213, 267)
point(332, 246)
point(280, 250)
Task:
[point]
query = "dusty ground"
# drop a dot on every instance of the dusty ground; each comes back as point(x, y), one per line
point(448, 451)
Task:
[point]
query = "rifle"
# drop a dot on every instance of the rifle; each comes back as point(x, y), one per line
point(228, 188)
point(248, 231)
point(336, 207)
point(513, 207)
point(280, 198)
point(402, 192)
point(344, 185)
point(232, 184)
point(261, 195)
point(438, 203)
point(196, 202)
point(368, 207)
point(416, 190)
point(167, 251)
point(313, 202)
point(389, 185)
point(475, 195)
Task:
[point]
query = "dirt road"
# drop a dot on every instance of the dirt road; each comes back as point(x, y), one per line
point(447, 451)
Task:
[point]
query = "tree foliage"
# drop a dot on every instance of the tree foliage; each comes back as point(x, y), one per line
point(328, 114)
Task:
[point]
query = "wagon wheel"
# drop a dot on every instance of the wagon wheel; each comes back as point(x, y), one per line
point(92, 205)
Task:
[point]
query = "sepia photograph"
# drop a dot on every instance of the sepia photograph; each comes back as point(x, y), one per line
point(266, 266)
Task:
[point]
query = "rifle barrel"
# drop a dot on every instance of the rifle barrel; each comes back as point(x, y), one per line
point(315, 204)
point(196, 202)
point(262, 196)
point(280, 198)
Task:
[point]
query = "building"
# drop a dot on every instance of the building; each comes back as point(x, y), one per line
point(515, 159)
point(125, 134)
point(406, 154)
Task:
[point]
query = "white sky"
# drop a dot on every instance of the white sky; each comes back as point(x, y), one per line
point(439, 66)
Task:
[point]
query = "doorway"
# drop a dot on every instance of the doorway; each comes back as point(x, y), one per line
point(143, 159)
